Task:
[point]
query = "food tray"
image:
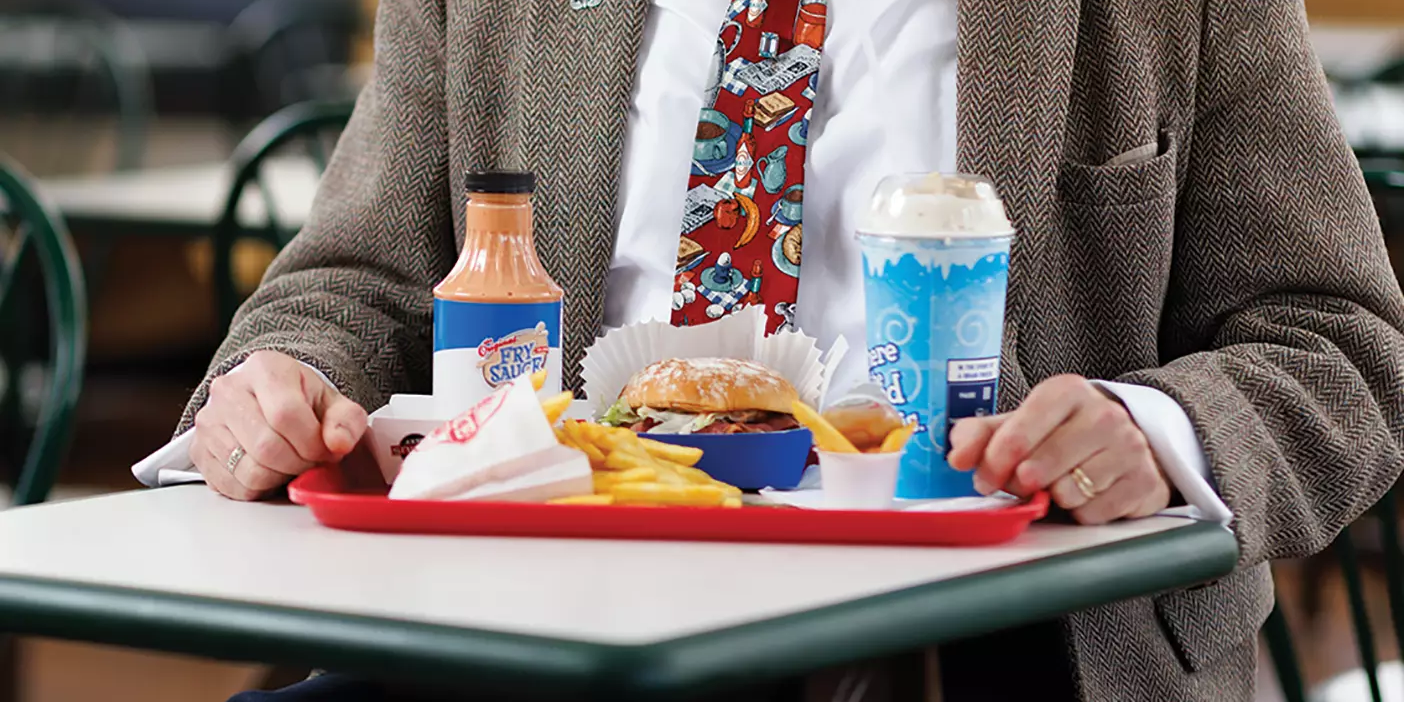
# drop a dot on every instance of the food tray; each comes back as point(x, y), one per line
point(322, 491)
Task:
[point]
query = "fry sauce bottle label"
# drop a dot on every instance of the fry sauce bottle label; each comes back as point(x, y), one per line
point(481, 346)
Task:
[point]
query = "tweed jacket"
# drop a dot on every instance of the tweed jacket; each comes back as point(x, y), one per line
point(1241, 271)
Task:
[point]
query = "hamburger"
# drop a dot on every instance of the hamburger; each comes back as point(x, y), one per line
point(704, 396)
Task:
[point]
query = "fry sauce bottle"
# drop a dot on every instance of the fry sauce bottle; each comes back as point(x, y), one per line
point(497, 316)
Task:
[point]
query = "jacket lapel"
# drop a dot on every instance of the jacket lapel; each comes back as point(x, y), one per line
point(1014, 78)
point(549, 90)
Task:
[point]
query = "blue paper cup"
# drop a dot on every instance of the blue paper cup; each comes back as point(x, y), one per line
point(936, 270)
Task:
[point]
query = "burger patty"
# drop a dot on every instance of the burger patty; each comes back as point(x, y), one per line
point(736, 423)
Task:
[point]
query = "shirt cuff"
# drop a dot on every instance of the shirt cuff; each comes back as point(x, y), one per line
point(171, 465)
point(1172, 438)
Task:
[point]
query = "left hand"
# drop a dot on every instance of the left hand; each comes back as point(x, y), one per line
point(1065, 423)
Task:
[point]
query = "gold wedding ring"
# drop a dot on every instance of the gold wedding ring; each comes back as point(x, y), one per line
point(234, 457)
point(1084, 483)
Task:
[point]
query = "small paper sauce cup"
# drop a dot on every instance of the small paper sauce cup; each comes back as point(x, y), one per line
point(859, 480)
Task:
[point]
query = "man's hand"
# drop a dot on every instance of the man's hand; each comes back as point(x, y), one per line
point(1064, 424)
point(284, 417)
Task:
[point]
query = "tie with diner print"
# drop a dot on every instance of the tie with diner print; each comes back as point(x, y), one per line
point(742, 221)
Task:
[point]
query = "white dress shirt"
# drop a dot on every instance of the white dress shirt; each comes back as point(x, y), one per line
point(886, 103)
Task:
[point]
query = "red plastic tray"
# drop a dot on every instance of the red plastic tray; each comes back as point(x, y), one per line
point(323, 491)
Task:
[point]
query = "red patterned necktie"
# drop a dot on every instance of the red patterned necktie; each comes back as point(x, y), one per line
point(741, 229)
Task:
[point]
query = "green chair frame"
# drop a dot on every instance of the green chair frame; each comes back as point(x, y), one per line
point(1384, 176)
point(308, 122)
point(41, 233)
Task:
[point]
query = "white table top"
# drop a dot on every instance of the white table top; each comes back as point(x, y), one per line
point(191, 197)
point(1356, 51)
point(186, 540)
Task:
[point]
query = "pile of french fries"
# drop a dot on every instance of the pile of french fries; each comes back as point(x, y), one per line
point(828, 438)
point(631, 470)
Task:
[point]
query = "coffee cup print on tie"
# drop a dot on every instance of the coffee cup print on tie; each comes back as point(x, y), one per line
point(789, 209)
point(714, 148)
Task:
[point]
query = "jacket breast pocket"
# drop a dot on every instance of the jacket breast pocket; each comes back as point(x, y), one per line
point(1108, 264)
point(1121, 185)
point(1206, 622)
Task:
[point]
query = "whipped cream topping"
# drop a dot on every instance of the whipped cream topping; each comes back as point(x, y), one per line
point(936, 206)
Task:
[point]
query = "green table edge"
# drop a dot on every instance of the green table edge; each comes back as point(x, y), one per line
point(546, 668)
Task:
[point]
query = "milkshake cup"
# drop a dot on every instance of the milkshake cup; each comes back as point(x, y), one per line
point(936, 269)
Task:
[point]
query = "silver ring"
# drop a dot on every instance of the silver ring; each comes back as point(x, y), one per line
point(234, 457)
point(1084, 484)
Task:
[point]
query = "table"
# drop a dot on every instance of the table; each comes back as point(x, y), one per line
point(181, 569)
point(185, 202)
point(1356, 51)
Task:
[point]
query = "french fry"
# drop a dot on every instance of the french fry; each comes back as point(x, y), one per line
point(731, 502)
point(655, 494)
point(564, 438)
point(538, 380)
point(581, 439)
point(684, 455)
point(693, 475)
point(627, 460)
point(667, 475)
point(897, 438)
point(698, 476)
point(583, 500)
point(615, 438)
point(556, 406)
point(826, 437)
point(604, 480)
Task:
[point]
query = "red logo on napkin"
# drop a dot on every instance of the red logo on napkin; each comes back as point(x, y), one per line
point(462, 429)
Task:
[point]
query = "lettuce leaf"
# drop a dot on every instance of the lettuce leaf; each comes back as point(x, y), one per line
point(619, 415)
point(676, 422)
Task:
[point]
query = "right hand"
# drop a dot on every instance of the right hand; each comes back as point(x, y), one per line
point(283, 415)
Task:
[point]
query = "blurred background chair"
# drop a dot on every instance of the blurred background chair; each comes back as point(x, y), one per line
point(284, 52)
point(75, 91)
point(41, 358)
point(1378, 532)
point(115, 92)
point(297, 136)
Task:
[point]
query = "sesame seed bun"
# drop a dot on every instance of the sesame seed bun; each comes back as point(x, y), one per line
point(709, 385)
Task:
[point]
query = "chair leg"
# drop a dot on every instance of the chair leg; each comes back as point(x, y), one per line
point(1394, 564)
point(1364, 639)
point(1284, 656)
point(9, 669)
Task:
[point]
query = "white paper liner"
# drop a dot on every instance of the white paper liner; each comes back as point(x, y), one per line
point(622, 352)
point(481, 446)
point(814, 499)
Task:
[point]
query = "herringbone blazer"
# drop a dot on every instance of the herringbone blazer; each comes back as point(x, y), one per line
point(1241, 271)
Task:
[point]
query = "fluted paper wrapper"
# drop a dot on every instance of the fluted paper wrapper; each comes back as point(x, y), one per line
point(622, 352)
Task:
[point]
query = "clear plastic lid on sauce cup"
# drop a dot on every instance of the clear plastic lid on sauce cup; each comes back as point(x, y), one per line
point(936, 206)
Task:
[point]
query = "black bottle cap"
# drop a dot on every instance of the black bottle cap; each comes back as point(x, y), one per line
point(500, 182)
